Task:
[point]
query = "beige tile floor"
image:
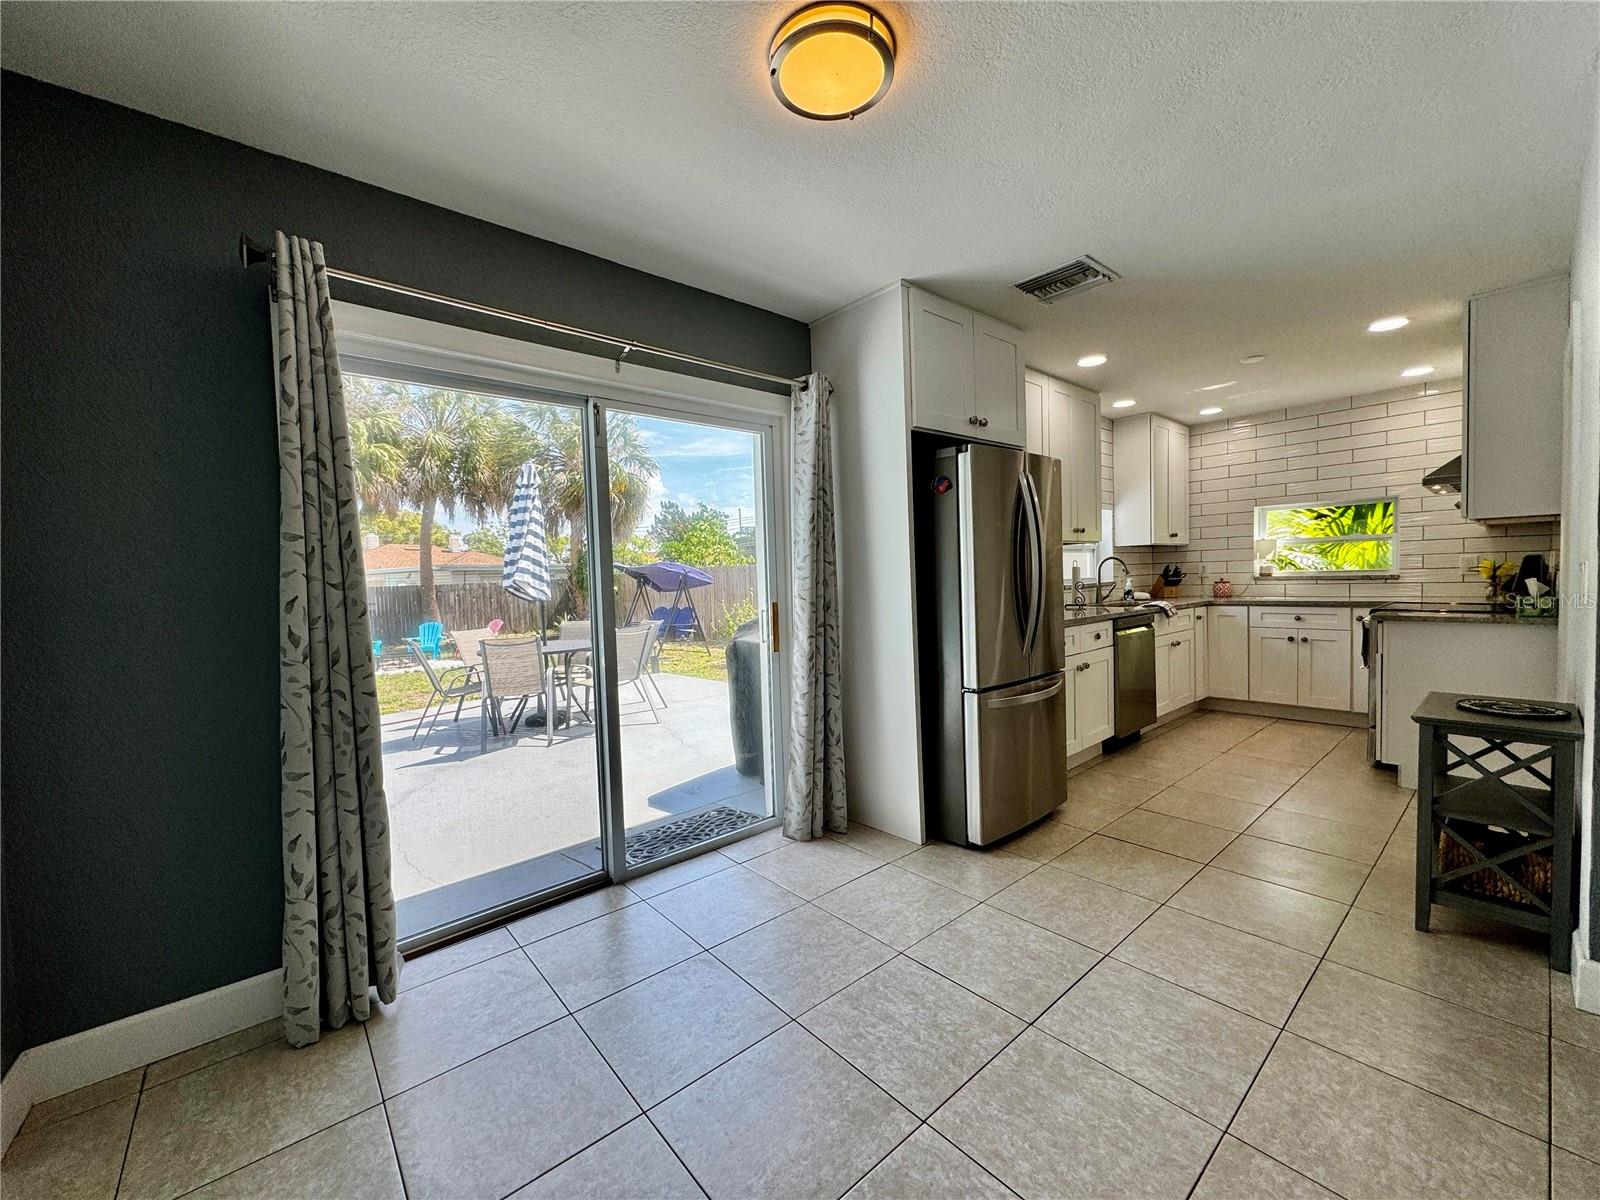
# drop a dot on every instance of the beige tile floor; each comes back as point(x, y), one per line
point(1199, 978)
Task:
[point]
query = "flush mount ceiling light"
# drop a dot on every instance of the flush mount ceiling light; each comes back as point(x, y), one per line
point(1211, 387)
point(1123, 403)
point(1388, 324)
point(1414, 372)
point(1092, 360)
point(832, 61)
point(1210, 412)
point(1251, 360)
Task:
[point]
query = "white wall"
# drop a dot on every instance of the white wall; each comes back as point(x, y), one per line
point(1580, 525)
point(1346, 448)
point(863, 355)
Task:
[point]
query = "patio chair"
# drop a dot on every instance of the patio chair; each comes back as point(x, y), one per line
point(514, 668)
point(634, 645)
point(467, 645)
point(444, 688)
point(429, 634)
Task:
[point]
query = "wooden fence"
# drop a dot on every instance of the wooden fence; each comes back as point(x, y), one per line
point(395, 612)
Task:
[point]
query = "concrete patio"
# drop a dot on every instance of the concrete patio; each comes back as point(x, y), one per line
point(470, 829)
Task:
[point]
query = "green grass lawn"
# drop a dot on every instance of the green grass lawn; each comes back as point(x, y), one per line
point(407, 691)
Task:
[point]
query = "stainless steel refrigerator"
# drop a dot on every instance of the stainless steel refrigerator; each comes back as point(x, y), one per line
point(992, 665)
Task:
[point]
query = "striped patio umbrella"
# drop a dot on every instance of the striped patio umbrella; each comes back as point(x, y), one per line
point(526, 574)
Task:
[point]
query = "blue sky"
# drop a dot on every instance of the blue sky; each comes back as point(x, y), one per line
point(702, 464)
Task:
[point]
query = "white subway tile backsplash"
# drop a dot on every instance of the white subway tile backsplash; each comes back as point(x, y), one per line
point(1346, 448)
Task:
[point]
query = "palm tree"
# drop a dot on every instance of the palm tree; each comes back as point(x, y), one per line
point(429, 448)
point(562, 483)
point(435, 447)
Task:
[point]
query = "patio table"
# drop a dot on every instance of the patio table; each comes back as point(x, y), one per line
point(564, 649)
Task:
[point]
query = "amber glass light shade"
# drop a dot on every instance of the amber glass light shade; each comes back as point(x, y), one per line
point(831, 61)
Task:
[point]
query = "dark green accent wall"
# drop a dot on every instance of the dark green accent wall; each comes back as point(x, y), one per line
point(139, 560)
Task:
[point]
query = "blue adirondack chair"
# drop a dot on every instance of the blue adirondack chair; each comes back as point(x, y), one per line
point(429, 634)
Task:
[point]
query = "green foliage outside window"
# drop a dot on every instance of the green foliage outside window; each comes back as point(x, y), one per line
point(1324, 538)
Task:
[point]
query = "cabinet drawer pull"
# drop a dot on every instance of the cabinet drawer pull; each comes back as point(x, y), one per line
point(1177, 643)
point(1298, 617)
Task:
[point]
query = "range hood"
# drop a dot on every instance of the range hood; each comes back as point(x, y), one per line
point(1445, 479)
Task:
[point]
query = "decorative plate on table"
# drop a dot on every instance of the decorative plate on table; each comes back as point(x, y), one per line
point(1511, 708)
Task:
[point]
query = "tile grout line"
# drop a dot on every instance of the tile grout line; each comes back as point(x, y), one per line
point(127, 1146)
point(1278, 1037)
point(394, 1146)
point(643, 1113)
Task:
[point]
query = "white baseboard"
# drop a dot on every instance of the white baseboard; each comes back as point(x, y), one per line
point(1585, 978)
point(55, 1068)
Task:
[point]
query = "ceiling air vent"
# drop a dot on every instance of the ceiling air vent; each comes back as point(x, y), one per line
point(1079, 275)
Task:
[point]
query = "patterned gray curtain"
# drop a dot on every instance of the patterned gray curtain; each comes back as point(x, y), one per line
point(338, 901)
point(814, 802)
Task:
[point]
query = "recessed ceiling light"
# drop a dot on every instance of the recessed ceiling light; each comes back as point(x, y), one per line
point(1251, 360)
point(832, 60)
point(1210, 412)
point(1091, 360)
point(1123, 403)
point(1211, 387)
point(1388, 324)
point(1413, 372)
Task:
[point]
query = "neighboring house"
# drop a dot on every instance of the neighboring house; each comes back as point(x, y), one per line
point(395, 564)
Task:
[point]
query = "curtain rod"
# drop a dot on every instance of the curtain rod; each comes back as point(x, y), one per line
point(252, 253)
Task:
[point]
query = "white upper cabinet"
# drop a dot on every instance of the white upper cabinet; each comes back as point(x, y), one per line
point(966, 372)
point(1151, 463)
point(998, 376)
point(1074, 438)
point(1033, 389)
point(1064, 423)
point(1512, 432)
point(941, 364)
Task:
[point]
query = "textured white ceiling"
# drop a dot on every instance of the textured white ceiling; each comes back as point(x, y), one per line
point(1267, 177)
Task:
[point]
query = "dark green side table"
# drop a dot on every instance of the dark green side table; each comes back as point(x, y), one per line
point(1462, 789)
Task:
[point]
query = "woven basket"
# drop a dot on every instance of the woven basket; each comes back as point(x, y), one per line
point(1533, 871)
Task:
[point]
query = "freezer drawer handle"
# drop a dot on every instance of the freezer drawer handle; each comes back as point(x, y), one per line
point(1019, 701)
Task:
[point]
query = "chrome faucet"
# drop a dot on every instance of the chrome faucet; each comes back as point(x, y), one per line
point(1127, 579)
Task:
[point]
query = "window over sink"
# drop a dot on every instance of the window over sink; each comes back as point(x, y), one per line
point(1328, 539)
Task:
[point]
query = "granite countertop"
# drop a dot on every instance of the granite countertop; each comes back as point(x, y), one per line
point(1425, 610)
point(1468, 617)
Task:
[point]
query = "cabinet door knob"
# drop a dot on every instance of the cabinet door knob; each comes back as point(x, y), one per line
point(972, 420)
point(1305, 639)
point(983, 421)
point(1298, 617)
point(1290, 638)
point(1177, 643)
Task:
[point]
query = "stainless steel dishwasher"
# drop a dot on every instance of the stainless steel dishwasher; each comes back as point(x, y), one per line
point(1134, 639)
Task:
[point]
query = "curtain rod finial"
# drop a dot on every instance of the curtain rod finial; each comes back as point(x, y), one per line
point(252, 252)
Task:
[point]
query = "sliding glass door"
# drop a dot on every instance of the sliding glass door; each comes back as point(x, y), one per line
point(573, 603)
point(693, 592)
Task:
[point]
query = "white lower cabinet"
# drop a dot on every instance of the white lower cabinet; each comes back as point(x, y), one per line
point(1093, 701)
point(1202, 660)
point(1181, 670)
point(1174, 671)
point(1324, 668)
point(1274, 666)
point(1228, 651)
point(1308, 667)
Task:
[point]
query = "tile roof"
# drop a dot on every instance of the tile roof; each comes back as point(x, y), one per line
point(399, 556)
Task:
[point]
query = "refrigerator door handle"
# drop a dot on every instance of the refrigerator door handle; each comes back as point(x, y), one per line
point(1043, 693)
point(1030, 494)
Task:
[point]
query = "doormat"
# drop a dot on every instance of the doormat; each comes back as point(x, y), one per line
point(686, 831)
